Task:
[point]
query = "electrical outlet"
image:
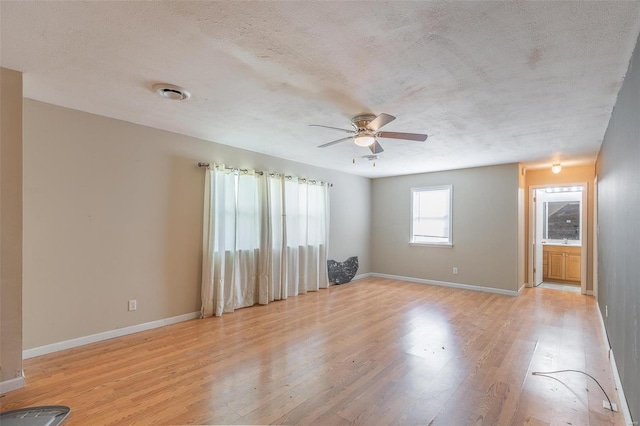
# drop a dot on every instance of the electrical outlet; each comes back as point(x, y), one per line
point(606, 311)
point(133, 305)
point(612, 407)
point(455, 270)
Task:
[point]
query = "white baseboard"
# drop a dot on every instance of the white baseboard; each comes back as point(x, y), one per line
point(624, 407)
point(521, 289)
point(361, 276)
point(604, 329)
point(447, 284)
point(11, 385)
point(85, 340)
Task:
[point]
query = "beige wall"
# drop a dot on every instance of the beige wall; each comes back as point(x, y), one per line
point(485, 228)
point(113, 211)
point(566, 176)
point(10, 224)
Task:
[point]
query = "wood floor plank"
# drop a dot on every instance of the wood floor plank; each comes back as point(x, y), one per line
point(376, 351)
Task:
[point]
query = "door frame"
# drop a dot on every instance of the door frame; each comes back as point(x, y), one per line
point(584, 234)
point(594, 238)
point(536, 225)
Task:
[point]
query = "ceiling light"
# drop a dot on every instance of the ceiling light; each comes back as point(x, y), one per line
point(556, 168)
point(170, 91)
point(364, 139)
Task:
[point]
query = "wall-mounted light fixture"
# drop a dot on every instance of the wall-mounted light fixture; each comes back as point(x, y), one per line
point(555, 168)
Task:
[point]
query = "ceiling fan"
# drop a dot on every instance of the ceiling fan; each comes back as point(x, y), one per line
point(366, 131)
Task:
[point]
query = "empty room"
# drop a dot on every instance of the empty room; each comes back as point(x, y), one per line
point(326, 213)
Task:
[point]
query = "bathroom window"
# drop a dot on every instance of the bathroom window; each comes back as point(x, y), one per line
point(562, 221)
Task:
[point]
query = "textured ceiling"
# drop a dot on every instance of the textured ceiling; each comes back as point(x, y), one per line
point(490, 82)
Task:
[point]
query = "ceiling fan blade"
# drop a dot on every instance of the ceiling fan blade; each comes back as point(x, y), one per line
point(381, 120)
point(376, 148)
point(334, 128)
point(334, 142)
point(398, 135)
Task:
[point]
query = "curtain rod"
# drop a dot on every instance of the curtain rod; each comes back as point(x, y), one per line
point(260, 172)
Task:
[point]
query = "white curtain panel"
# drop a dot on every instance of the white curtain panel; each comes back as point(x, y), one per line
point(306, 217)
point(277, 247)
point(265, 239)
point(231, 241)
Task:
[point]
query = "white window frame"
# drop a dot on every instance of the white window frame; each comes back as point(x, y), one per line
point(448, 243)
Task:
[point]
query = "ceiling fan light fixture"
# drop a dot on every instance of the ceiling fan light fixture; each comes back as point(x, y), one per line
point(366, 132)
point(364, 140)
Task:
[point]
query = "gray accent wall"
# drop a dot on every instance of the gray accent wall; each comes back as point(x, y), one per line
point(618, 204)
point(113, 211)
point(485, 228)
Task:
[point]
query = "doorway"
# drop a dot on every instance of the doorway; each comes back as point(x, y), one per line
point(558, 235)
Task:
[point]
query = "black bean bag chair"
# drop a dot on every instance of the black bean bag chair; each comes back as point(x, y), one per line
point(342, 272)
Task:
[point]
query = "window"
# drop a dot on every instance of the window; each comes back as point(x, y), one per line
point(431, 215)
point(561, 214)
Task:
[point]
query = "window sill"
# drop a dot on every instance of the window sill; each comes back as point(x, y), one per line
point(442, 245)
point(562, 243)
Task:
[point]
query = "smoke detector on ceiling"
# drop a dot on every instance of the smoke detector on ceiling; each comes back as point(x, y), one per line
point(172, 92)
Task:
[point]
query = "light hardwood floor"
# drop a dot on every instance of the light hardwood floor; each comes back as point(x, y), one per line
point(375, 351)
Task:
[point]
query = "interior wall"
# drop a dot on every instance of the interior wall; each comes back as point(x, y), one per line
point(113, 211)
point(485, 228)
point(567, 175)
point(619, 233)
point(10, 224)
